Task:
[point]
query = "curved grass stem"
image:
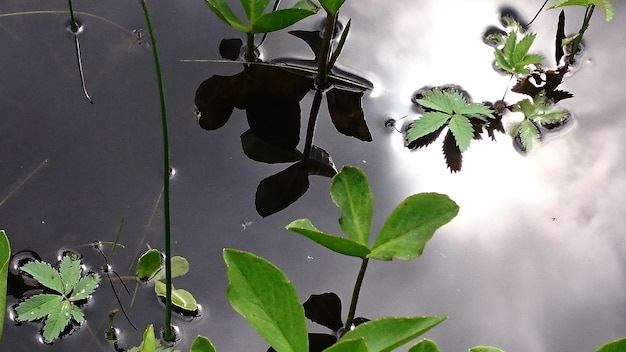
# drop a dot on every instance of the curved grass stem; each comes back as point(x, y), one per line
point(169, 332)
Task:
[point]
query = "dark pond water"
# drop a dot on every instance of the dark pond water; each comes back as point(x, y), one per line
point(535, 261)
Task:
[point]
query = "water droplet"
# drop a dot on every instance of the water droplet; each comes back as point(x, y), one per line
point(172, 172)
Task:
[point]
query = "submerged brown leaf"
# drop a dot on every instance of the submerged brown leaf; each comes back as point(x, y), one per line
point(347, 114)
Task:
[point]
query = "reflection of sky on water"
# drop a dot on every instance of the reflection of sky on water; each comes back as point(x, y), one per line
point(535, 261)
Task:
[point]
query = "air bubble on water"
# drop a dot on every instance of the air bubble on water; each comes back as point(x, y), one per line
point(80, 27)
point(172, 172)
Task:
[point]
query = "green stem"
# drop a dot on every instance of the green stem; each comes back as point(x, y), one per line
point(582, 30)
point(73, 25)
point(355, 296)
point(322, 70)
point(310, 130)
point(249, 56)
point(169, 332)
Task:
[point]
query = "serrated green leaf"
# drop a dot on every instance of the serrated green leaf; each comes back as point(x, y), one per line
point(521, 49)
point(221, 9)
point(385, 334)
point(180, 298)
point(265, 297)
point(412, 223)
point(280, 19)
point(350, 191)
point(476, 110)
point(428, 123)
point(529, 135)
point(436, 99)
point(337, 244)
point(202, 344)
point(618, 345)
point(462, 130)
point(485, 349)
point(148, 264)
point(37, 307)
point(502, 62)
point(57, 320)
point(85, 287)
point(77, 314)
point(70, 271)
point(5, 256)
point(45, 274)
point(530, 59)
point(509, 45)
point(356, 345)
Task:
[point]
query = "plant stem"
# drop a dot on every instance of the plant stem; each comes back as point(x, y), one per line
point(355, 296)
point(249, 56)
point(73, 25)
point(310, 130)
point(582, 30)
point(169, 332)
point(322, 70)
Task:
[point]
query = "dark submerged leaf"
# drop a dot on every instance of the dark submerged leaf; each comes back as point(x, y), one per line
point(452, 153)
point(216, 98)
point(347, 114)
point(230, 48)
point(560, 35)
point(259, 150)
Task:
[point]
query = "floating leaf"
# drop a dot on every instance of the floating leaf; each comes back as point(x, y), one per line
point(45, 274)
point(350, 191)
point(337, 244)
point(426, 345)
point(180, 298)
point(37, 307)
point(385, 334)
point(149, 263)
point(85, 286)
point(513, 57)
point(412, 223)
point(263, 294)
point(70, 271)
point(202, 344)
point(179, 265)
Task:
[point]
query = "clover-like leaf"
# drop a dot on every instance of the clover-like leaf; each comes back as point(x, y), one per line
point(385, 334)
point(350, 191)
point(337, 244)
point(265, 297)
point(45, 274)
point(412, 223)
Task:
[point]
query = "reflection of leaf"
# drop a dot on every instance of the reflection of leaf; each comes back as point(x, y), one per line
point(230, 48)
point(216, 98)
point(452, 153)
point(259, 150)
point(312, 38)
point(560, 36)
point(546, 81)
point(324, 309)
point(347, 114)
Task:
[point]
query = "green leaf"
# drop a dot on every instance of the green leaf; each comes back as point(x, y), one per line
point(180, 267)
point(37, 307)
point(425, 345)
point(614, 346)
point(307, 5)
point(69, 269)
point(254, 8)
point(148, 264)
point(85, 287)
point(221, 9)
point(77, 314)
point(5, 256)
point(605, 5)
point(513, 57)
point(385, 334)
point(462, 130)
point(521, 49)
point(428, 123)
point(263, 294)
point(436, 99)
point(412, 223)
point(45, 274)
point(149, 343)
point(332, 6)
point(332, 242)
point(180, 298)
point(279, 19)
point(350, 191)
point(529, 134)
point(57, 320)
point(356, 345)
point(485, 349)
point(202, 344)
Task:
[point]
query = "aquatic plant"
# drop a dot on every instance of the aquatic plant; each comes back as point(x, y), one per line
point(68, 285)
point(150, 343)
point(5, 256)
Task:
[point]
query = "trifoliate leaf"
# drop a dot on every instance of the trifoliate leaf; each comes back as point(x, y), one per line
point(57, 320)
point(45, 274)
point(85, 287)
point(69, 269)
point(37, 307)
